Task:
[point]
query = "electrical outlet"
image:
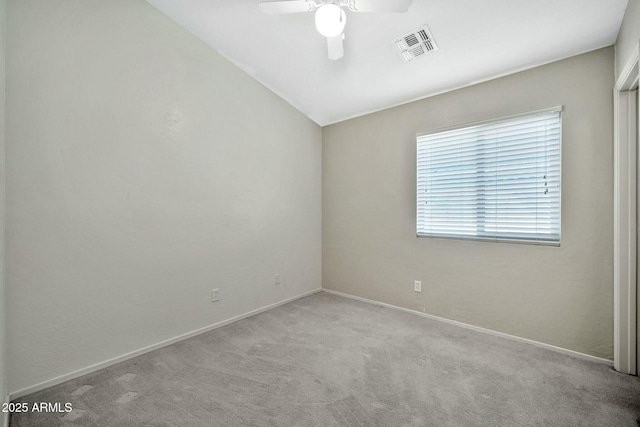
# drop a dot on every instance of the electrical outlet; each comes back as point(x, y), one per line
point(276, 280)
point(417, 286)
point(215, 295)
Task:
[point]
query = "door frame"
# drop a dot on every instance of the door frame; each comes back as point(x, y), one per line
point(625, 219)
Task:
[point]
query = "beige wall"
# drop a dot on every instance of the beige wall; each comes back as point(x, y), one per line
point(144, 170)
point(3, 368)
point(561, 296)
point(629, 35)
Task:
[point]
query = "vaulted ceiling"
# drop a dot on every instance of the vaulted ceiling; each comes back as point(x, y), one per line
point(477, 39)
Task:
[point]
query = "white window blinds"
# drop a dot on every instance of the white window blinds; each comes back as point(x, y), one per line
point(493, 181)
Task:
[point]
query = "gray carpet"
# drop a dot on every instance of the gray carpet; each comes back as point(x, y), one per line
point(330, 361)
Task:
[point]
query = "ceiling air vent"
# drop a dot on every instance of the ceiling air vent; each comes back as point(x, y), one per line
point(416, 43)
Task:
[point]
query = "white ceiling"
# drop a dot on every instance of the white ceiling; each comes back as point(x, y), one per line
point(478, 40)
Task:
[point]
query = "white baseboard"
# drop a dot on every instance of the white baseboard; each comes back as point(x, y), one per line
point(477, 328)
point(89, 369)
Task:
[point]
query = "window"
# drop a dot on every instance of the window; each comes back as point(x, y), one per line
point(497, 181)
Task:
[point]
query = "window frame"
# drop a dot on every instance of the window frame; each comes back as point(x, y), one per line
point(560, 110)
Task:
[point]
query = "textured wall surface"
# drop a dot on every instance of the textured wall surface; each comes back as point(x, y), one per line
point(557, 295)
point(144, 169)
point(629, 35)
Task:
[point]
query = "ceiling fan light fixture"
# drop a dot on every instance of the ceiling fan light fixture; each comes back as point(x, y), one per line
point(330, 20)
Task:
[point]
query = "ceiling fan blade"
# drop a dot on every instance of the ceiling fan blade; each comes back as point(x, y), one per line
point(292, 6)
point(388, 6)
point(335, 47)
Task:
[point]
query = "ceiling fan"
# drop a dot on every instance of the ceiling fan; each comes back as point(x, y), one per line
point(330, 16)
